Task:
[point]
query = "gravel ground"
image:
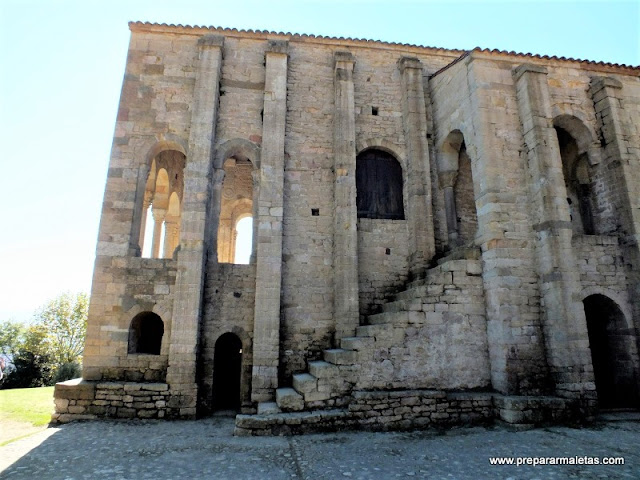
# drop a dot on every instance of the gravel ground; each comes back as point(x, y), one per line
point(136, 450)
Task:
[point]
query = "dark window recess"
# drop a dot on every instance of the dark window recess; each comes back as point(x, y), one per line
point(315, 212)
point(374, 111)
point(379, 186)
point(584, 196)
point(145, 333)
point(387, 251)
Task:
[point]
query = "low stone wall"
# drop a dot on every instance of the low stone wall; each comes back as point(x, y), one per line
point(410, 409)
point(82, 400)
point(379, 410)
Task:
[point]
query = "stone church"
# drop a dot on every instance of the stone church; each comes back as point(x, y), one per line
point(438, 237)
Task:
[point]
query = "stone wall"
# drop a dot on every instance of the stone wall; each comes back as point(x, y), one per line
point(601, 264)
point(300, 108)
point(229, 307)
point(382, 262)
point(81, 400)
point(122, 288)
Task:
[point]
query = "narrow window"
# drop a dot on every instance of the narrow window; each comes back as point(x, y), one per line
point(244, 235)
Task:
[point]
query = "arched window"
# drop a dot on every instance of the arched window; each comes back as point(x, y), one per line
point(379, 186)
point(145, 333)
point(236, 205)
point(159, 231)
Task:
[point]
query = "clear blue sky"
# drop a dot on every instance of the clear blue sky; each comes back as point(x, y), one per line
point(61, 68)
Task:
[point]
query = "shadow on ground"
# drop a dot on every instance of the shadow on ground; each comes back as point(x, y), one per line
point(207, 449)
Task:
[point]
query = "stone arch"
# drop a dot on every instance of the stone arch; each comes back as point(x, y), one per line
point(613, 352)
point(619, 299)
point(449, 151)
point(579, 125)
point(387, 146)
point(456, 180)
point(585, 138)
point(379, 185)
point(146, 331)
point(238, 148)
point(574, 140)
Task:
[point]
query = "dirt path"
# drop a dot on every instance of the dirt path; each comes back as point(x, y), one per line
point(11, 430)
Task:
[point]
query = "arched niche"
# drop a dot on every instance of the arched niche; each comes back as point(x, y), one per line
point(145, 334)
point(456, 179)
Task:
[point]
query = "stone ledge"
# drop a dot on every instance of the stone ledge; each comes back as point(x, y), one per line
point(400, 410)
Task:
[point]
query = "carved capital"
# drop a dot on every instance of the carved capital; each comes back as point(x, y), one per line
point(598, 83)
point(278, 46)
point(528, 68)
point(343, 61)
point(448, 178)
point(210, 41)
point(409, 62)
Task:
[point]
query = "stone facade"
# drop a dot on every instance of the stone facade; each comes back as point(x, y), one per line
point(439, 237)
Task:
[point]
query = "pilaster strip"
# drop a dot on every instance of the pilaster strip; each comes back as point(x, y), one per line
point(266, 329)
point(345, 233)
point(187, 304)
point(418, 169)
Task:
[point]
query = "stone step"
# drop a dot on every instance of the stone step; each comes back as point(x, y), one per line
point(356, 343)
point(320, 369)
point(268, 408)
point(340, 356)
point(292, 423)
point(394, 318)
point(305, 382)
point(375, 331)
point(289, 400)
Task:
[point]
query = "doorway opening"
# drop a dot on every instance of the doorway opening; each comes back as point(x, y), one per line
point(227, 365)
point(610, 342)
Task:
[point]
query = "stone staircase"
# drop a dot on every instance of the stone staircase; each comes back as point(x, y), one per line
point(330, 382)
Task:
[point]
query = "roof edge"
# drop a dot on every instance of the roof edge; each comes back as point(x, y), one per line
point(197, 30)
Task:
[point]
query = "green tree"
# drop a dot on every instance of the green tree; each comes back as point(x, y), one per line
point(50, 349)
point(11, 336)
point(65, 321)
point(31, 361)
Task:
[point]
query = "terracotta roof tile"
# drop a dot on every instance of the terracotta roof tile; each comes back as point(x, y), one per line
point(461, 53)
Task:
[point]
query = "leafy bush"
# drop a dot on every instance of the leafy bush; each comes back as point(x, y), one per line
point(67, 371)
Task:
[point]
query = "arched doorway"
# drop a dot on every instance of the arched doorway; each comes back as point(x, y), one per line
point(610, 342)
point(227, 364)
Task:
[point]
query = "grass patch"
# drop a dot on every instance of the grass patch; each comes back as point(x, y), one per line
point(30, 405)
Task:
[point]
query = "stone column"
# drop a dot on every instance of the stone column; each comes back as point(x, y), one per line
point(171, 228)
point(195, 230)
point(624, 173)
point(447, 182)
point(345, 228)
point(143, 222)
point(266, 329)
point(158, 219)
point(418, 169)
point(563, 319)
point(224, 240)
